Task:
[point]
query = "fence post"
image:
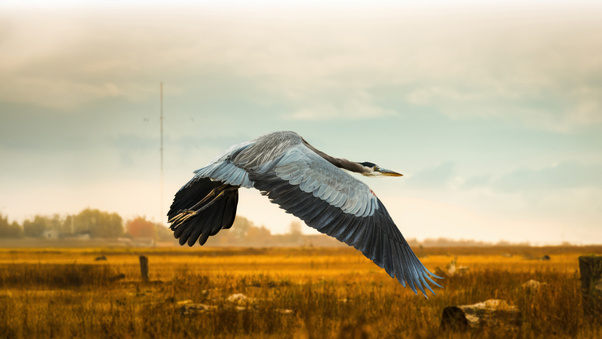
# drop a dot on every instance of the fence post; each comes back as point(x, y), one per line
point(591, 285)
point(144, 267)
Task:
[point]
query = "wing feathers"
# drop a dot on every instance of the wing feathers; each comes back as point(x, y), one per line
point(195, 217)
point(230, 211)
point(376, 235)
point(399, 272)
point(300, 166)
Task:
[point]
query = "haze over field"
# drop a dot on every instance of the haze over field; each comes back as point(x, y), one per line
point(491, 110)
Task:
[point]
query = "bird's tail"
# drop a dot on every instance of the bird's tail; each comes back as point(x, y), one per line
point(202, 208)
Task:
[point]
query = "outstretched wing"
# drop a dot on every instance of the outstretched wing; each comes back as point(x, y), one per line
point(207, 203)
point(335, 203)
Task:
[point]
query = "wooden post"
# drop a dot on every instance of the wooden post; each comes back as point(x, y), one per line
point(144, 267)
point(591, 286)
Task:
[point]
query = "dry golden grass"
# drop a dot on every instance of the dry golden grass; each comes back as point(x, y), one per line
point(332, 292)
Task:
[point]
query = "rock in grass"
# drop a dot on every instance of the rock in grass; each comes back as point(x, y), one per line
point(489, 313)
point(240, 299)
point(532, 285)
point(451, 269)
point(189, 308)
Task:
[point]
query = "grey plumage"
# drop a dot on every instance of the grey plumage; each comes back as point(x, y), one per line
point(306, 183)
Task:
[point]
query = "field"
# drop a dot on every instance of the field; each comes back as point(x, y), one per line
point(288, 292)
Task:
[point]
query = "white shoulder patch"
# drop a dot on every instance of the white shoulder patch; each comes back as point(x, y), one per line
point(313, 174)
point(223, 170)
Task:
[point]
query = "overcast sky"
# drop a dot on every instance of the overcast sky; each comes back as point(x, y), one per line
point(491, 110)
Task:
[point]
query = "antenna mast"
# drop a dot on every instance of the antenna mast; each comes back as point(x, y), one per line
point(161, 149)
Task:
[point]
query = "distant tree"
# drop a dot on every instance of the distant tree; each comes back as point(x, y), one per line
point(294, 235)
point(503, 243)
point(34, 228)
point(295, 228)
point(67, 227)
point(224, 238)
point(15, 230)
point(240, 227)
point(241, 233)
point(9, 230)
point(99, 224)
point(258, 235)
point(55, 222)
point(162, 232)
point(139, 227)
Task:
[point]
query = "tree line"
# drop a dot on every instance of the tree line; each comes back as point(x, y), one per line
point(89, 222)
point(97, 224)
point(93, 223)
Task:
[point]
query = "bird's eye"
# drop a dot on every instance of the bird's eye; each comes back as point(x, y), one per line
point(376, 168)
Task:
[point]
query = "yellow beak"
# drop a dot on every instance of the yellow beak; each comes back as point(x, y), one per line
point(389, 173)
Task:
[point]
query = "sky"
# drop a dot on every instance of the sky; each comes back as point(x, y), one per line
point(492, 110)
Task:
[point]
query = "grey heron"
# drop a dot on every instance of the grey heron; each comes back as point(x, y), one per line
point(306, 183)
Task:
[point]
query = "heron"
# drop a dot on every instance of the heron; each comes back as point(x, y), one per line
point(307, 183)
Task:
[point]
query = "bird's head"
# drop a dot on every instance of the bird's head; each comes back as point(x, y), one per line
point(373, 170)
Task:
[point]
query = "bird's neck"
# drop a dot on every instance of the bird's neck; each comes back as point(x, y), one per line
point(339, 162)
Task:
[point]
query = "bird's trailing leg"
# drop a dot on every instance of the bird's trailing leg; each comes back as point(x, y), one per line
point(213, 196)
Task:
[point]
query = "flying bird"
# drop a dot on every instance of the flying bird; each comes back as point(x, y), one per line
point(307, 183)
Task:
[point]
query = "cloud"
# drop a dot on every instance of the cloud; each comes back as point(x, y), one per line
point(521, 67)
point(476, 181)
point(566, 175)
point(354, 108)
point(435, 177)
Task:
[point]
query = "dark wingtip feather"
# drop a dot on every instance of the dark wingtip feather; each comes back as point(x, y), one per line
point(208, 217)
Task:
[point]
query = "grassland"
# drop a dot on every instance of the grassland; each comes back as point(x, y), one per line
point(292, 293)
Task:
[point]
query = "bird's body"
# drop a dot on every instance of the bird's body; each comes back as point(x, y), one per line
point(306, 183)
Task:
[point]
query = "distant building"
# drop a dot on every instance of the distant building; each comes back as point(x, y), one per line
point(50, 234)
